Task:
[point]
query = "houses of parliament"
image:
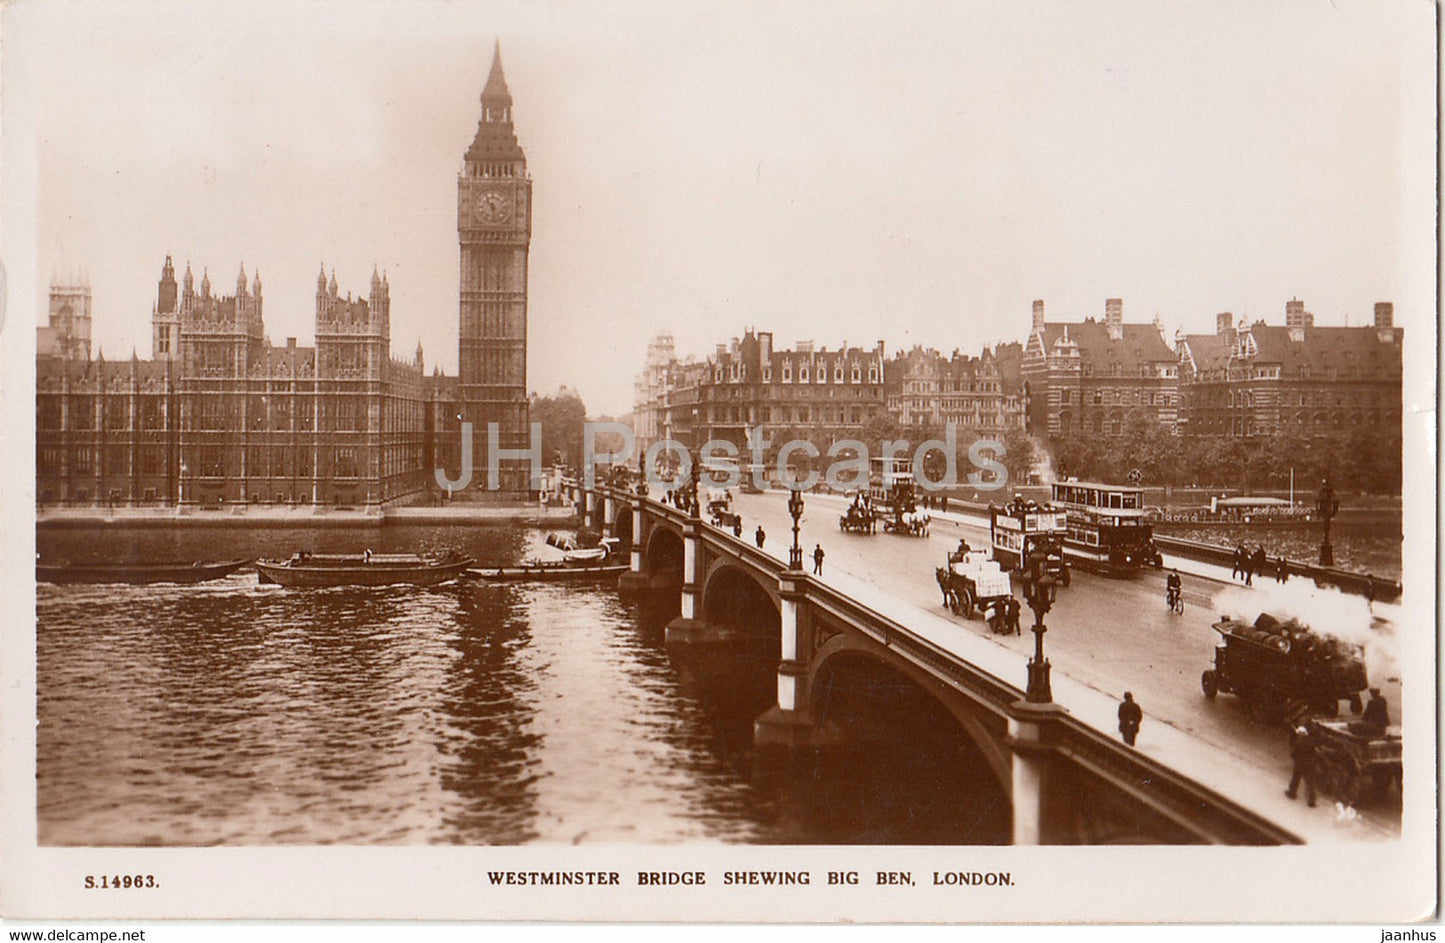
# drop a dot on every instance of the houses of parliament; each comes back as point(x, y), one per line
point(221, 416)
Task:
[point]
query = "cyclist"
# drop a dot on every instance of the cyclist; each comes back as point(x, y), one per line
point(1174, 588)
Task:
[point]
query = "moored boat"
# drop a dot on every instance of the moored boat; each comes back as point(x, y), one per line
point(362, 569)
point(549, 571)
point(196, 572)
point(577, 563)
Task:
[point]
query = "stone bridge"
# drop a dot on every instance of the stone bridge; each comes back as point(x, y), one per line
point(1064, 781)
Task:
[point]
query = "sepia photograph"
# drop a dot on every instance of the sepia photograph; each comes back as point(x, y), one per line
point(926, 463)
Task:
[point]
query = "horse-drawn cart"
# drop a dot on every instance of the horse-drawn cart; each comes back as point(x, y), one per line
point(1351, 754)
point(972, 582)
point(856, 520)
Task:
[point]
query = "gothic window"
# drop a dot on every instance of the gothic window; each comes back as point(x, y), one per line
point(344, 465)
point(47, 414)
point(803, 373)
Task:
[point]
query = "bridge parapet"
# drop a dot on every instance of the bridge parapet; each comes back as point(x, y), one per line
point(1068, 781)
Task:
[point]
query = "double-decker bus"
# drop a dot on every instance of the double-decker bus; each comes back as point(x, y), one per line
point(1106, 526)
point(890, 483)
point(1020, 527)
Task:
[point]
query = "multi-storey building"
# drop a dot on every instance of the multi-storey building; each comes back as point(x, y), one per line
point(981, 396)
point(804, 392)
point(652, 391)
point(1297, 379)
point(494, 230)
point(68, 334)
point(1092, 377)
point(220, 416)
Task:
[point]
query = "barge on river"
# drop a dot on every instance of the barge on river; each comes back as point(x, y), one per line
point(197, 572)
point(362, 569)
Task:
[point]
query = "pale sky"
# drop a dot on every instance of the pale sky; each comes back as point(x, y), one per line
point(916, 172)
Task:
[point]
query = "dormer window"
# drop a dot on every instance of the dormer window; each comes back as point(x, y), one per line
point(803, 373)
point(787, 371)
point(838, 373)
point(873, 374)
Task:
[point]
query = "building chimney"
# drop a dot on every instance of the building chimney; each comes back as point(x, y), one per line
point(1114, 317)
point(1296, 319)
point(1385, 321)
point(1224, 328)
point(1038, 315)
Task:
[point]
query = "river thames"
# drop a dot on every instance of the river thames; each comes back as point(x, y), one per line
point(234, 713)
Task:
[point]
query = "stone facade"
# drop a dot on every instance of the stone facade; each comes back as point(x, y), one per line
point(1296, 379)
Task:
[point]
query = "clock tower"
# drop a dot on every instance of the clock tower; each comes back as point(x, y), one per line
point(494, 229)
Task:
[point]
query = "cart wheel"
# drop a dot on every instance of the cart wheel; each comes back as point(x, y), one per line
point(1210, 683)
point(968, 602)
point(1351, 779)
point(953, 603)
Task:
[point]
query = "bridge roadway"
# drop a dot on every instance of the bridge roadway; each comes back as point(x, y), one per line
point(1105, 636)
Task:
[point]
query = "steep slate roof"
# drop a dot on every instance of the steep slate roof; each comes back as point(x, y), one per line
point(1208, 351)
point(1329, 351)
point(1141, 344)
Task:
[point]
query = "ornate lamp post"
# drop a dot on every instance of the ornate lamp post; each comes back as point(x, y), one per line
point(1328, 506)
point(1039, 591)
point(795, 509)
point(641, 476)
point(695, 478)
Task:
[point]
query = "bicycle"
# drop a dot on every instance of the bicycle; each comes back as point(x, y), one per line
point(1174, 598)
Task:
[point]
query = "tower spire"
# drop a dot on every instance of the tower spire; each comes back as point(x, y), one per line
point(495, 93)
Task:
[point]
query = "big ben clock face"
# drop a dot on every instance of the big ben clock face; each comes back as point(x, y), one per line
point(493, 207)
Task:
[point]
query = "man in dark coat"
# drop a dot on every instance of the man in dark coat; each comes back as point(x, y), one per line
point(1302, 752)
point(760, 537)
point(1130, 716)
point(1238, 561)
point(1377, 711)
point(818, 560)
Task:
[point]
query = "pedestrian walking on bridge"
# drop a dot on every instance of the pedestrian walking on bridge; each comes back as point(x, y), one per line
point(1302, 753)
point(818, 560)
point(759, 537)
point(1130, 716)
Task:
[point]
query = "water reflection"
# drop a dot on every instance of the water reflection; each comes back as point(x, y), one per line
point(233, 713)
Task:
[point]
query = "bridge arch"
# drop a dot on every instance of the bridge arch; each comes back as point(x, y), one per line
point(734, 598)
point(664, 552)
point(987, 738)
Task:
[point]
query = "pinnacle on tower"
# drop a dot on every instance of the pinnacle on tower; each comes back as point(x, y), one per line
point(495, 141)
point(495, 93)
point(321, 278)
